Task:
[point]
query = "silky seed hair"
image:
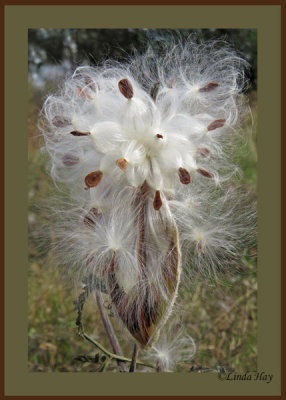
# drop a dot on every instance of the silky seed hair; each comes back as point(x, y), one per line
point(144, 147)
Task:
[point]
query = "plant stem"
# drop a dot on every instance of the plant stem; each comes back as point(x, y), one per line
point(134, 358)
point(110, 332)
point(106, 364)
point(159, 367)
point(111, 355)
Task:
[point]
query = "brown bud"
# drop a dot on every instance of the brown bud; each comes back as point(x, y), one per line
point(78, 133)
point(218, 123)
point(93, 179)
point(184, 176)
point(60, 121)
point(203, 151)
point(157, 203)
point(90, 218)
point(126, 88)
point(122, 163)
point(208, 87)
point(205, 173)
point(70, 160)
point(159, 136)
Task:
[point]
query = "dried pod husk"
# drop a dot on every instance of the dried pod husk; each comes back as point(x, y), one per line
point(146, 308)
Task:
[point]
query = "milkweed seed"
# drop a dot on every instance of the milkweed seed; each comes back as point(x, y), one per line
point(203, 151)
point(82, 93)
point(208, 87)
point(122, 163)
point(90, 218)
point(93, 179)
point(159, 136)
point(70, 160)
point(144, 190)
point(60, 121)
point(218, 123)
point(184, 176)
point(126, 88)
point(88, 81)
point(201, 248)
point(78, 133)
point(171, 83)
point(154, 90)
point(157, 203)
point(205, 173)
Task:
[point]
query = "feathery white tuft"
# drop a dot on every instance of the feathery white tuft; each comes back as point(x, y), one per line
point(149, 142)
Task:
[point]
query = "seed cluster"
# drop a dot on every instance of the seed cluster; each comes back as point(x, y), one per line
point(126, 89)
point(145, 148)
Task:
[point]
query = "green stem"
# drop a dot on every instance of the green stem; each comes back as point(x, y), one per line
point(111, 355)
point(106, 365)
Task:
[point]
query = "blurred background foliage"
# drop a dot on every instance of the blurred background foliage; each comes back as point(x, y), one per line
point(221, 318)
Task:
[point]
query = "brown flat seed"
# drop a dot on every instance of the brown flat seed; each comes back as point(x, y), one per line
point(82, 93)
point(144, 189)
point(209, 87)
point(201, 248)
point(184, 176)
point(93, 179)
point(60, 121)
point(157, 203)
point(78, 133)
point(159, 136)
point(205, 173)
point(70, 160)
point(122, 163)
point(171, 83)
point(90, 218)
point(126, 88)
point(218, 123)
point(154, 90)
point(88, 81)
point(203, 151)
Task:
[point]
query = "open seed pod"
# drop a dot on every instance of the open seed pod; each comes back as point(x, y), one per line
point(144, 306)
